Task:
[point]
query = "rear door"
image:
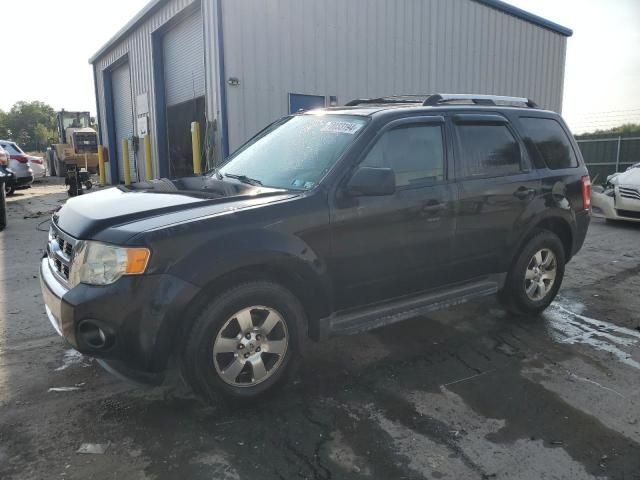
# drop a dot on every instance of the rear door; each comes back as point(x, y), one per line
point(496, 184)
point(384, 247)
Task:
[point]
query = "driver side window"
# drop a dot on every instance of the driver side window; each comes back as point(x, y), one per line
point(414, 152)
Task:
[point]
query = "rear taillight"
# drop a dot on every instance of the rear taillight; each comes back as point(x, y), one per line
point(585, 183)
point(20, 158)
point(36, 160)
point(3, 160)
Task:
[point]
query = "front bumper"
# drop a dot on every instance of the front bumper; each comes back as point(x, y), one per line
point(139, 315)
point(604, 206)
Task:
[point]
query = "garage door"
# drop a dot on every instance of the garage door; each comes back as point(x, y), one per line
point(183, 48)
point(123, 115)
point(183, 60)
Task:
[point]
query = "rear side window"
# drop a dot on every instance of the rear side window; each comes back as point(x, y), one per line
point(548, 143)
point(487, 150)
point(11, 149)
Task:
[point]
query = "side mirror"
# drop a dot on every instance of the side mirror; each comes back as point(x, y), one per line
point(372, 181)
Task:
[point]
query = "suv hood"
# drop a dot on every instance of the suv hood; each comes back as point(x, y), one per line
point(84, 216)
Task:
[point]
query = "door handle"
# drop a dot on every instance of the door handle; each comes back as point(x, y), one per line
point(524, 193)
point(432, 208)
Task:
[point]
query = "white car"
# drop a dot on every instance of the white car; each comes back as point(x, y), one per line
point(620, 197)
point(38, 165)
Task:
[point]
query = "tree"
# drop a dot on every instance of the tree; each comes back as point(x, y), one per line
point(25, 117)
point(4, 129)
point(624, 130)
point(43, 136)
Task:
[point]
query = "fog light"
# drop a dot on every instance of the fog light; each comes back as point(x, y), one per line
point(94, 336)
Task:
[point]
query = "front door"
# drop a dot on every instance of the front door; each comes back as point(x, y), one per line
point(496, 184)
point(385, 247)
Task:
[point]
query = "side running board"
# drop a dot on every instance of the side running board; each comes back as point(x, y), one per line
point(349, 322)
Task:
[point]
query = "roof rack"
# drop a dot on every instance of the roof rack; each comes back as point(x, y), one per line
point(383, 100)
point(435, 99)
point(439, 98)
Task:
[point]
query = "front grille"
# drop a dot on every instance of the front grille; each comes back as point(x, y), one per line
point(60, 251)
point(628, 192)
point(85, 142)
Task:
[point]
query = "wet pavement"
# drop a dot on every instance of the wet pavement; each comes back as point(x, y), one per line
point(468, 393)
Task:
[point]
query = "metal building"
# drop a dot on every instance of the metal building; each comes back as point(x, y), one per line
point(237, 65)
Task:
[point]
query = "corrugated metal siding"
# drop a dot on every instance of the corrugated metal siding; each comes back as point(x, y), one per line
point(138, 46)
point(368, 48)
point(183, 48)
point(123, 116)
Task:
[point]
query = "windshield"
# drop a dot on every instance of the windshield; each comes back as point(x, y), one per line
point(75, 120)
point(296, 152)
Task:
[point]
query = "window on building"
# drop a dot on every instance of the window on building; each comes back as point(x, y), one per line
point(415, 153)
point(548, 143)
point(487, 150)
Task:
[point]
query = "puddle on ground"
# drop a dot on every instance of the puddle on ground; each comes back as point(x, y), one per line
point(567, 325)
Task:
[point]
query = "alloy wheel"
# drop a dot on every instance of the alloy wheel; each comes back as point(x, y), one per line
point(540, 274)
point(250, 346)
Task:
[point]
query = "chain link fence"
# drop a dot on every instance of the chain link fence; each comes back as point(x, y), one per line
point(607, 155)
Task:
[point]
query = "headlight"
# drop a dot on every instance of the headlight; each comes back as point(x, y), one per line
point(98, 263)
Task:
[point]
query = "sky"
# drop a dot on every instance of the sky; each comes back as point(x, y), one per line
point(602, 78)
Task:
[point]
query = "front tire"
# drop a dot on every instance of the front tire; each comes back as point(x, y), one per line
point(244, 342)
point(51, 164)
point(60, 168)
point(536, 275)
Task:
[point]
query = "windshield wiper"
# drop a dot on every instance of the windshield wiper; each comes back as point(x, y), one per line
point(244, 179)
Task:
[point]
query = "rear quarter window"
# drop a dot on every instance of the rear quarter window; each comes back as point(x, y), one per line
point(11, 149)
point(547, 143)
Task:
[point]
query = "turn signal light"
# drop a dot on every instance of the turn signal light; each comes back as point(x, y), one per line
point(137, 259)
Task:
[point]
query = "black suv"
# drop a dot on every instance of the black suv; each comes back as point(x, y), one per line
point(328, 222)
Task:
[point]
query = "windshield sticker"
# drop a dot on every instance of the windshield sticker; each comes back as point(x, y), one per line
point(297, 182)
point(308, 185)
point(342, 127)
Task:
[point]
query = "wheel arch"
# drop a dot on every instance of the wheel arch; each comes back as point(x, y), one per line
point(562, 229)
point(304, 285)
point(555, 224)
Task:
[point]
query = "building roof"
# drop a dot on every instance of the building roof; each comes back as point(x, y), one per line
point(529, 17)
point(131, 25)
point(504, 7)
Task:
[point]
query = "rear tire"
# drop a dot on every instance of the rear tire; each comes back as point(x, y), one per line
point(535, 276)
point(243, 343)
point(9, 190)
